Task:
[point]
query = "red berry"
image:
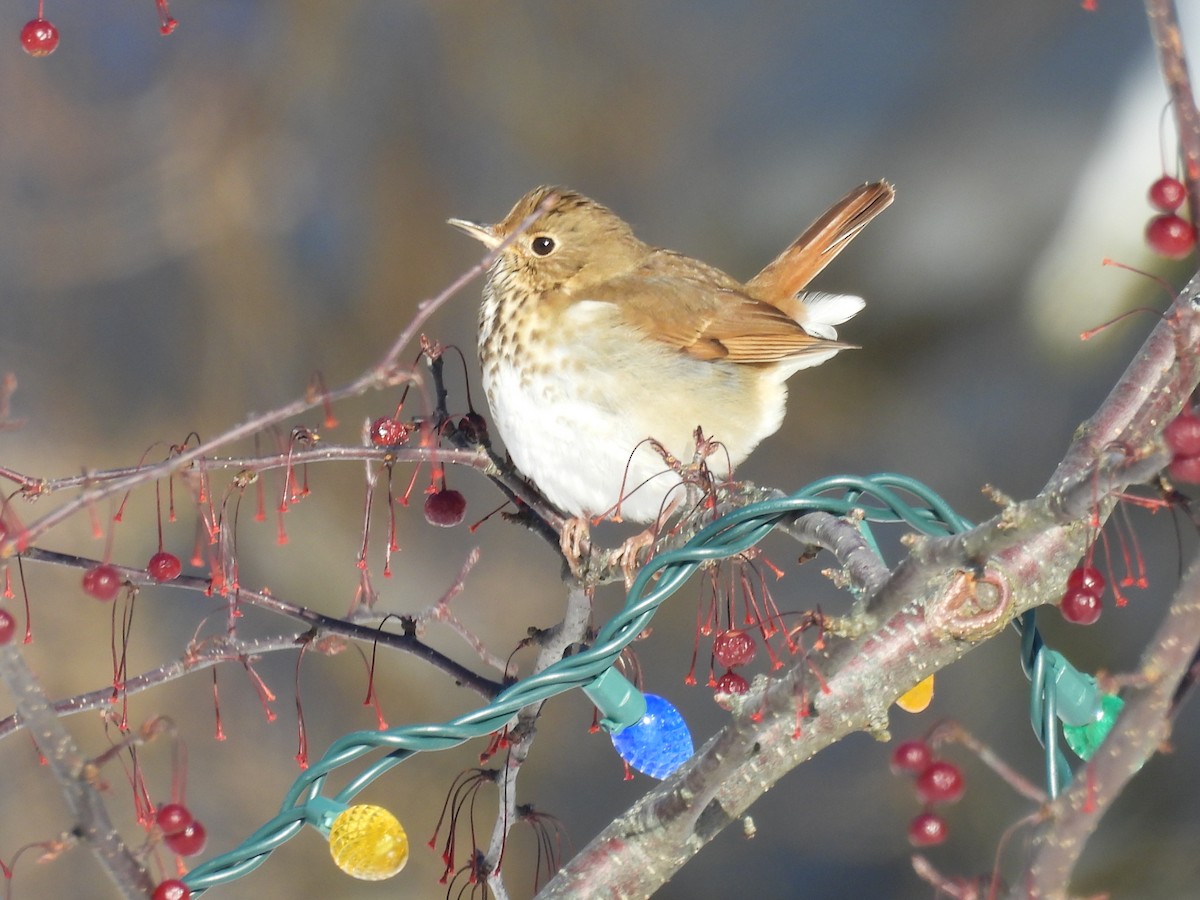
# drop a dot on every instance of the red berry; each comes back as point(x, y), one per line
point(171, 889)
point(39, 37)
point(164, 566)
point(1167, 194)
point(387, 432)
point(734, 648)
point(1183, 434)
point(1088, 578)
point(1185, 468)
point(188, 842)
point(732, 683)
point(102, 582)
point(166, 22)
point(927, 829)
point(173, 818)
point(1080, 606)
point(940, 782)
point(1171, 236)
point(911, 757)
point(8, 626)
point(445, 508)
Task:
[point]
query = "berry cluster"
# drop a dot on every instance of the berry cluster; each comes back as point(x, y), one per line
point(1168, 233)
point(935, 781)
point(731, 649)
point(1183, 439)
point(103, 582)
point(182, 832)
point(1081, 602)
point(444, 506)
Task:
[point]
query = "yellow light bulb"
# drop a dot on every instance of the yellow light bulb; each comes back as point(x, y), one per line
point(918, 698)
point(368, 842)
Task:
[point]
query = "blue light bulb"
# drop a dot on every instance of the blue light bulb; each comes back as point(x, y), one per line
point(658, 743)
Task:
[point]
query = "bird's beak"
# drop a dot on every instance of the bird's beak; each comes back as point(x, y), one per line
point(485, 234)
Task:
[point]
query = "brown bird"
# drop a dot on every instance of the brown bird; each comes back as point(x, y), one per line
point(592, 341)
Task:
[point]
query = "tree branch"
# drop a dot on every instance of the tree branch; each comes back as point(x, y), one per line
point(1031, 546)
point(1141, 730)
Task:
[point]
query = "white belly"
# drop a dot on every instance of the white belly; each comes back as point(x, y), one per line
point(578, 428)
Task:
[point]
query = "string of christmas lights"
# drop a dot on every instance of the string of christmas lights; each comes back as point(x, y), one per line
point(368, 842)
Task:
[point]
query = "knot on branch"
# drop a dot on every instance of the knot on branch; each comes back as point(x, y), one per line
point(975, 605)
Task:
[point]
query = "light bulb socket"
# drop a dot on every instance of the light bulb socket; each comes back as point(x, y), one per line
point(619, 702)
point(1077, 696)
point(319, 812)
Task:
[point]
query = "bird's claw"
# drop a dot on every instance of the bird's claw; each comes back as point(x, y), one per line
point(575, 541)
point(627, 554)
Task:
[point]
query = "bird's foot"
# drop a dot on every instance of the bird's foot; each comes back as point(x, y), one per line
point(575, 541)
point(626, 556)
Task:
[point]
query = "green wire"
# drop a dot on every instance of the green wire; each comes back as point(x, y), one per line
point(881, 499)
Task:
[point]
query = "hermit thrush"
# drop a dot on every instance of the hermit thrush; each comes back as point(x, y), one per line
point(592, 342)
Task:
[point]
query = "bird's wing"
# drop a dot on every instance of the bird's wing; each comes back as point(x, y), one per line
point(706, 314)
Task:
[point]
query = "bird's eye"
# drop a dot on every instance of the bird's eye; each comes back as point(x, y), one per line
point(542, 245)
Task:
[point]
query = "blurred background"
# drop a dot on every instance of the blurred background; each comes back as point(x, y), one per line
point(192, 225)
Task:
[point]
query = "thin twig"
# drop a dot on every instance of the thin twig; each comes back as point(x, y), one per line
point(555, 644)
point(321, 623)
point(1168, 40)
